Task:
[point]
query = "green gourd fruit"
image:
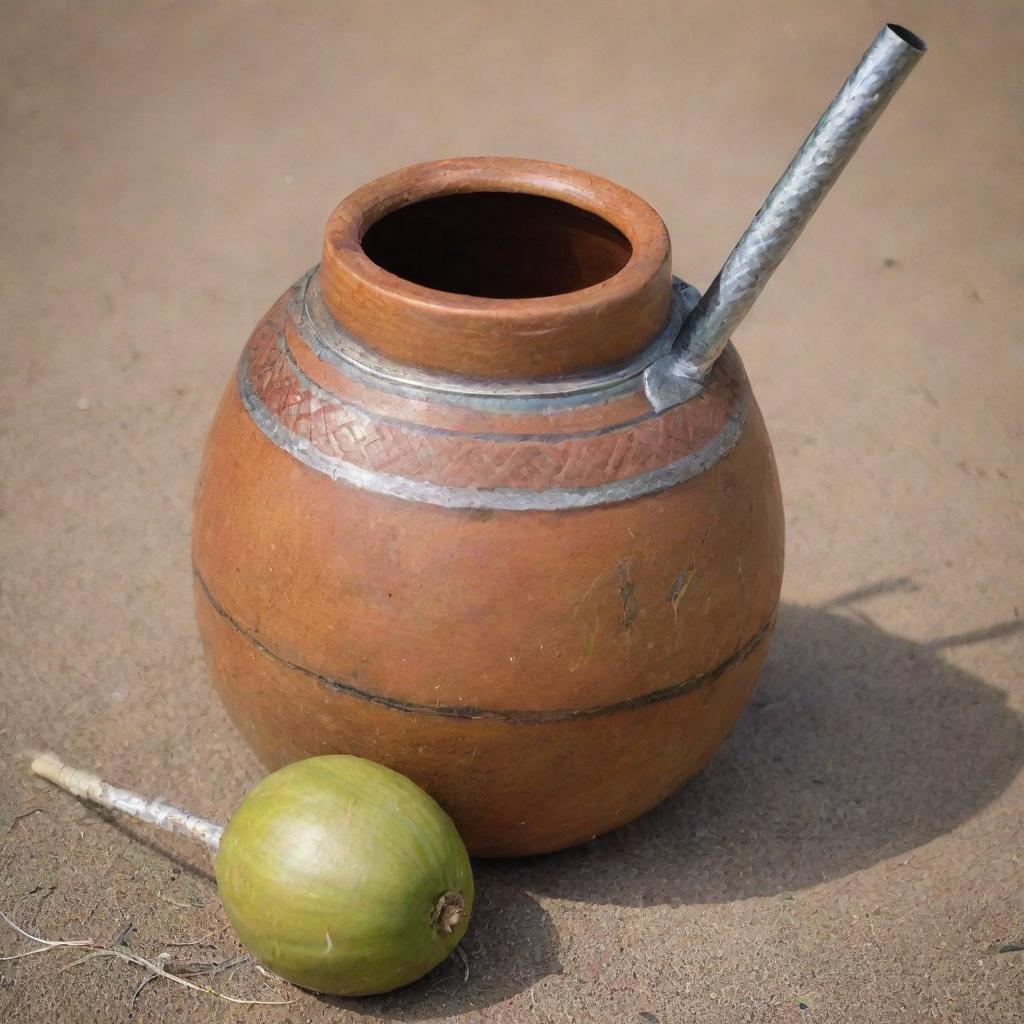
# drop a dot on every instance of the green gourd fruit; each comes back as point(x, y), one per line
point(339, 874)
point(344, 877)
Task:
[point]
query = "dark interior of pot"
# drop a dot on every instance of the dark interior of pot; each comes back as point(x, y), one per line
point(499, 245)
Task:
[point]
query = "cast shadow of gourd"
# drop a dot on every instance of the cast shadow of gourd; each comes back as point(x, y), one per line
point(511, 944)
point(857, 746)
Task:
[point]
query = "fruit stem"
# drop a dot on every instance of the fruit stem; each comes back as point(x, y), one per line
point(87, 786)
point(448, 912)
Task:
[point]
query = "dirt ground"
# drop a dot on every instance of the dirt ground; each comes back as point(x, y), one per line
point(855, 852)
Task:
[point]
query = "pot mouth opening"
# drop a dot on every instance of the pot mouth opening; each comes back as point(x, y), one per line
point(497, 245)
point(497, 268)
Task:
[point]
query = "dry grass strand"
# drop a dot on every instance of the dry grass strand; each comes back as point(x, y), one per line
point(154, 967)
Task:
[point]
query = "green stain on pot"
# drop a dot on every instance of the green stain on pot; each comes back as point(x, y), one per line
point(344, 877)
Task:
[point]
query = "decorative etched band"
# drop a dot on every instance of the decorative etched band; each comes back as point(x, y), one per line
point(454, 469)
point(500, 498)
point(512, 716)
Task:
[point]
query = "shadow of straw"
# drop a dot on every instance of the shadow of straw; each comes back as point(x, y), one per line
point(857, 746)
point(189, 857)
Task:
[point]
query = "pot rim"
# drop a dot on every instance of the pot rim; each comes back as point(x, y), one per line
point(475, 336)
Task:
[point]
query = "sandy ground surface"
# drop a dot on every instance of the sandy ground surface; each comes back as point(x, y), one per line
point(855, 852)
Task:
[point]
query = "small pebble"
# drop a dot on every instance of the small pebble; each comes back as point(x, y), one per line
point(83, 403)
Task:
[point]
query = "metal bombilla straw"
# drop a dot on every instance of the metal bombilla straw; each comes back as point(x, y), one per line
point(679, 374)
point(156, 811)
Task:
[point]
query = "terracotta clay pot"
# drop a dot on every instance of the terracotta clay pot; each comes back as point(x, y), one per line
point(440, 525)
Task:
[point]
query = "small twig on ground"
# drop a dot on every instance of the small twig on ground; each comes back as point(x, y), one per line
point(145, 981)
point(25, 814)
point(465, 963)
point(157, 968)
point(188, 968)
point(45, 944)
point(180, 903)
